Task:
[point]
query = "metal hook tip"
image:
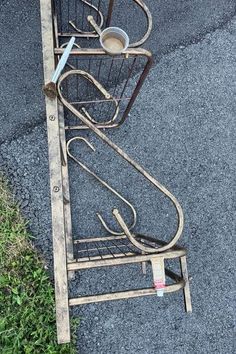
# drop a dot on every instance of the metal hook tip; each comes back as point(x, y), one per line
point(115, 211)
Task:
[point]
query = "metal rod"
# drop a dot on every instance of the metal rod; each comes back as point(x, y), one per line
point(86, 245)
point(109, 74)
point(137, 243)
point(100, 51)
point(104, 238)
point(72, 266)
point(99, 68)
point(61, 22)
point(137, 88)
point(99, 101)
point(109, 15)
point(101, 248)
point(103, 183)
point(123, 295)
point(99, 251)
point(187, 295)
point(118, 76)
point(68, 14)
point(118, 247)
point(128, 77)
point(140, 169)
point(98, 7)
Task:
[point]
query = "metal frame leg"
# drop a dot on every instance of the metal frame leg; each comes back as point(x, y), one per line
point(186, 290)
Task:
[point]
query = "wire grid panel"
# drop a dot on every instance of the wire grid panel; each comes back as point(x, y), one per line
point(115, 74)
point(72, 16)
point(71, 19)
point(108, 248)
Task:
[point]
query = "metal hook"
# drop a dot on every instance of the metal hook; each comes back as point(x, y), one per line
point(148, 15)
point(100, 88)
point(98, 12)
point(134, 164)
point(105, 184)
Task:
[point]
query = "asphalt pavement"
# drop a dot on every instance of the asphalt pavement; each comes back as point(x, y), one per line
point(175, 23)
point(182, 130)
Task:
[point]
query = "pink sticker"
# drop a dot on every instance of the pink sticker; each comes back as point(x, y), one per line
point(159, 284)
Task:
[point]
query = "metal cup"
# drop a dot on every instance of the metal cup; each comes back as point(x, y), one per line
point(114, 40)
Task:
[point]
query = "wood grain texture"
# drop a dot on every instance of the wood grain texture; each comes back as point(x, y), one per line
point(57, 207)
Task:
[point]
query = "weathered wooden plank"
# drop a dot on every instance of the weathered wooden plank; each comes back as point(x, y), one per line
point(57, 207)
point(66, 191)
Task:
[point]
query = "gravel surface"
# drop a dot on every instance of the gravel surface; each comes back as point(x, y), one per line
point(182, 129)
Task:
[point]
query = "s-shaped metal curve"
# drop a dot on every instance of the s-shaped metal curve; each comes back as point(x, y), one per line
point(98, 12)
point(148, 15)
point(105, 184)
point(133, 163)
point(100, 88)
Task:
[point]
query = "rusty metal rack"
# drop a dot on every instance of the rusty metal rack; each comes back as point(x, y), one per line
point(103, 248)
point(107, 248)
point(114, 74)
point(96, 91)
point(70, 18)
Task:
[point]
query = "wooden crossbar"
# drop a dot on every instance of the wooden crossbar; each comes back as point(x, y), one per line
point(123, 295)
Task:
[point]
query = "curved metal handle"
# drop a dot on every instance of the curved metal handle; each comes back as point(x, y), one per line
point(72, 24)
point(131, 237)
point(94, 25)
point(100, 88)
point(148, 15)
point(105, 184)
point(133, 163)
point(98, 26)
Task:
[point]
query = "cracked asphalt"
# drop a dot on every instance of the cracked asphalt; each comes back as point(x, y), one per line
point(182, 129)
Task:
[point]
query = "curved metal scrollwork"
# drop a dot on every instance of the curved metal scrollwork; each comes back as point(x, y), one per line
point(136, 241)
point(100, 23)
point(101, 89)
point(105, 184)
point(148, 15)
point(74, 26)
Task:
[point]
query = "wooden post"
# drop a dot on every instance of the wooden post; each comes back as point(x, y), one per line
point(66, 191)
point(57, 206)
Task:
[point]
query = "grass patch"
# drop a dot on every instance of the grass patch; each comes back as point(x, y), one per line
point(27, 308)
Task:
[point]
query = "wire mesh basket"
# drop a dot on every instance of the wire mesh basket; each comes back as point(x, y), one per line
point(70, 18)
point(104, 86)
